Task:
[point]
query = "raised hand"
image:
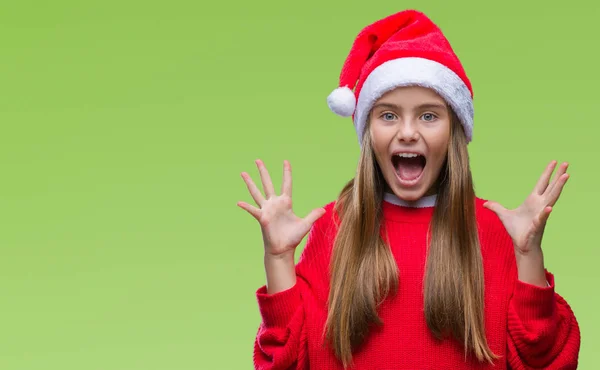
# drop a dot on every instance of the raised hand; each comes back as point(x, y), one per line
point(526, 223)
point(282, 230)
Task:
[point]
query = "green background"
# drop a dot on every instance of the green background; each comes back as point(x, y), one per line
point(126, 125)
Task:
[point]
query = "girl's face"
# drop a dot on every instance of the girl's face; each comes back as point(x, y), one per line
point(410, 132)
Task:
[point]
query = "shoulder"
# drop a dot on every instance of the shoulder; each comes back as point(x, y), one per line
point(486, 218)
point(317, 250)
point(492, 233)
point(330, 207)
point(488, 221)
point(497, 249)
point(322, 231)
point(326, 225)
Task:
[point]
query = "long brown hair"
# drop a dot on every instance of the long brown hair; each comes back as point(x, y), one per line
point(364, 272)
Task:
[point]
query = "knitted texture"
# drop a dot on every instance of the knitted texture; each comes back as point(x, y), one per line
point(529, 327)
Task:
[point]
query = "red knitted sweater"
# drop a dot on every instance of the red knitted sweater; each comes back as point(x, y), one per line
point(529, 327)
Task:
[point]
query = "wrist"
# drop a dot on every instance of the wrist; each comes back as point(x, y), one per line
point(280, 271)
point(534, 252)
point(530, 266)
point(285, 257)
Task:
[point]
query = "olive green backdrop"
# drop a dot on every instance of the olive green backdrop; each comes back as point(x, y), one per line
point(126, 124)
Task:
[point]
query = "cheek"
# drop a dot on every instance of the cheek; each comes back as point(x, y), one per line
point(379, 144)
point(439, 150)
point(379, 156)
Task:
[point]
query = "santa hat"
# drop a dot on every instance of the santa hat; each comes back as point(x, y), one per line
point(404, 49)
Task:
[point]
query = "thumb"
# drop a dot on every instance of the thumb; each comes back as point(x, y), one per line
point(314, 215)
point(494, 207)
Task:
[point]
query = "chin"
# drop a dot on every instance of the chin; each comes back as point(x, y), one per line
point(409, 195)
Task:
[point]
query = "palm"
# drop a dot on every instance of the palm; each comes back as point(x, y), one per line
point(526, 223)
point(522, 224)
point(282, 230)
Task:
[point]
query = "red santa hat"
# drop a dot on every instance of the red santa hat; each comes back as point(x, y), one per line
point(403, 49)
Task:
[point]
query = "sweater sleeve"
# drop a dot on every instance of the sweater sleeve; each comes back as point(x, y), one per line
point(542, 330)
point(280, 342)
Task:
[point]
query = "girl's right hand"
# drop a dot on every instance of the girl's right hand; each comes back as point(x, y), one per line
point(282, 230)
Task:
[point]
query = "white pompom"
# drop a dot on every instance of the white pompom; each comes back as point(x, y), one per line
point(342, 101)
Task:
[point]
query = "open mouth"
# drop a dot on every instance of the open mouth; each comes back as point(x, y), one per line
point(409, 166)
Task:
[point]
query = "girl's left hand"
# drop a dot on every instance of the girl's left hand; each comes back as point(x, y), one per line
point(526, 223)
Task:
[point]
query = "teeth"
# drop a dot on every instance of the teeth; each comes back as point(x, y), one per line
point(407, 155)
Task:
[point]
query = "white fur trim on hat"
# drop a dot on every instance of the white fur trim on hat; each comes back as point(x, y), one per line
point(415, 72)
point(342, 101)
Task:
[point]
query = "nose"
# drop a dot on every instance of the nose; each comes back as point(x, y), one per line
point(408, 131)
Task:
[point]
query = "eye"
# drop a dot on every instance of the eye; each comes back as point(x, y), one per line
point(429, 117)
point(388, 116)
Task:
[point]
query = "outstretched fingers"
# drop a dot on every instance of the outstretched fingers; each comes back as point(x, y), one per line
point(542, 184)
point(557, 189)
point(255, 212)
point(253, 189)
point(266, 179)
point(558, 178)
point(286, 186)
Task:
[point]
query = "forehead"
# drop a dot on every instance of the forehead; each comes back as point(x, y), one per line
point(408, 96)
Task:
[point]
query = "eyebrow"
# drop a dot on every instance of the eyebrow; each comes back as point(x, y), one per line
point(421, 106)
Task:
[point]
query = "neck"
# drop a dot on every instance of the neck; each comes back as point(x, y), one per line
point(423, 202)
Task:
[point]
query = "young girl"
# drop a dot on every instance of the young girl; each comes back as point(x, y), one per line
point(408, 268)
